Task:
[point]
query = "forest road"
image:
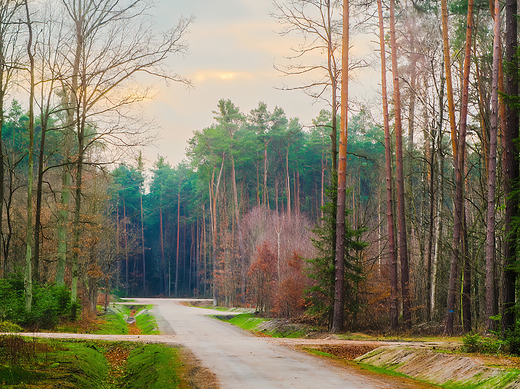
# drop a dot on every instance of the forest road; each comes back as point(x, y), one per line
point(241, 360)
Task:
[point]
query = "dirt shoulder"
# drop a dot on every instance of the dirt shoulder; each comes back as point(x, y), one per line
point(430, 363)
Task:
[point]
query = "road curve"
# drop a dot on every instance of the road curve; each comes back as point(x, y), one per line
point(241, 360)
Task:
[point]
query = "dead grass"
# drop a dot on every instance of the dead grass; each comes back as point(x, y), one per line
point(195, 375)
point(348, 352)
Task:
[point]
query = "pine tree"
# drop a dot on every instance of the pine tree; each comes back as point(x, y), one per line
point(320, 296)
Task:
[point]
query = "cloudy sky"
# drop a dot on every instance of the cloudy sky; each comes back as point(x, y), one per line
point(233, 46)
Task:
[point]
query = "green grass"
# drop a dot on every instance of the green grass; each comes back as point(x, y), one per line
point(73, 364)
point(146, 322)
point(319, 353)
point(82, 364)
point(499, 381)
point(154, 367)
point(79, 363)
point(114, 321)
point(250, 322)
point(382, 370)
point(246, 321)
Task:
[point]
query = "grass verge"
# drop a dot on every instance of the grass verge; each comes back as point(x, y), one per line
point(94, 365)
point(261, 326)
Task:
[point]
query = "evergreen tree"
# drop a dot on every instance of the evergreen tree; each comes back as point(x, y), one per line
point(320, 296)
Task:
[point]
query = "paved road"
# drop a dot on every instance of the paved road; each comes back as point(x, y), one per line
point(241, 360)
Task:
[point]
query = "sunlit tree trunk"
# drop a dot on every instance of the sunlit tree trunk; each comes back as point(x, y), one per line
point(452, 286)
point(339, 282)
point(403, 245)
point(466, 302)
point(392, 265)
point(449, 84)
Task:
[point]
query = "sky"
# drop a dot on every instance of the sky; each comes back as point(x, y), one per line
point(233, 47)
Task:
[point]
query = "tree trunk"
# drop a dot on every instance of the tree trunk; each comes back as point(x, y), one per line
point(511, 169)
point(164, 281)
point(39, 194)
point(265, 193)
point(63, 213)
point(466, 298)
point(392, 265)
point(339, 282)
point(449, 85)
point(30, 179)
point(125, 232)
point(241, 249)
point(403, 249)
point(288, 183)
point(80, 122)
point(178, 240)
point(490, 235)
point(213, 208)
point(142, 245)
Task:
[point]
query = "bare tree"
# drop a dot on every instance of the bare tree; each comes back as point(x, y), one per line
point(9, 62)
point(111, 44)
point(320, 24)
point(30, 171)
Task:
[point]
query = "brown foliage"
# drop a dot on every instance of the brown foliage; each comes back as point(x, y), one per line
point(289, 301)
point(262, 275)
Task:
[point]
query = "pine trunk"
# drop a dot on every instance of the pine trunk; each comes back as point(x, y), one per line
point(403, 249)
point(339, 281)
point(511, 168)
point(392, 265)
point(466, 291)
point(490, 233)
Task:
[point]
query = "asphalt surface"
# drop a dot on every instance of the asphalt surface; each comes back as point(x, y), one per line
point(241, 360)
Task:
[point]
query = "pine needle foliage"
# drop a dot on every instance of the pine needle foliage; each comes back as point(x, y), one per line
point(320, 296)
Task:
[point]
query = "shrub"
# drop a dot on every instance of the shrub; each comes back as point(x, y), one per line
point(50, 304)
point(474, 343)
point(7, 326)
